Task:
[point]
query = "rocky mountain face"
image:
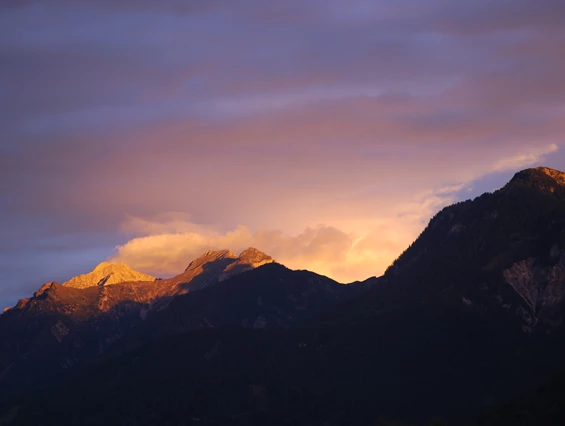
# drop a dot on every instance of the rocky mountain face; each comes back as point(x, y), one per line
point(247, 260)
point(107, 273)
point(215, 266)
point(469, 317)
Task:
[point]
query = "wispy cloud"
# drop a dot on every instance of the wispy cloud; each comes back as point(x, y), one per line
point(530, 158)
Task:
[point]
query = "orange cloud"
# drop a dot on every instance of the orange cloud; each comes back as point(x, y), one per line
point(346, 251)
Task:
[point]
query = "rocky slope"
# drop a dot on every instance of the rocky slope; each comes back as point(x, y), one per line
point(107, 273)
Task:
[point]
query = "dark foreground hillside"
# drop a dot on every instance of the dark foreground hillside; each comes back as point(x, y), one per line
point(544, 406)
point(349, 376)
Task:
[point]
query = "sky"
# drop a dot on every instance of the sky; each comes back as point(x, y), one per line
point(324, 132)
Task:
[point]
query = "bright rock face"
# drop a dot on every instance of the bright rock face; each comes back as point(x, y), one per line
point(555, 174)
point(542, 179)
point(247, 260)
point(540, 286)
point(197, 266)
point(108, 273)
point(218, 265)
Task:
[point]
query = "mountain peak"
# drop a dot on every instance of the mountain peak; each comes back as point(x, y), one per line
point(542, 179)
point(44, 288)
point(218, 265)
point(253, 255)
point(109, 265)
point(555, 174)
point(210, 256)
point(248, 259)
point(539, 175)
point(107, 273)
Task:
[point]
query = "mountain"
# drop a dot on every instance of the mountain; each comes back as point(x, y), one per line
point(502, 253)
point(467, 319)
point(62, 326)
point(107, 273)
point(474, 308)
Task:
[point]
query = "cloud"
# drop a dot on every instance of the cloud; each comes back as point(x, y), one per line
point(320, 248)
point(530, 158)
point(167, 243)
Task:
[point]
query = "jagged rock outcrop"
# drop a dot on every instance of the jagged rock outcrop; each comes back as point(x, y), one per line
point(541, 285)
point(107, 273)
point(247, 260)
point(215, 266)
point(197, 265)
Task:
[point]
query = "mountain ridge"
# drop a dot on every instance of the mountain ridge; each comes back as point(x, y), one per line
point(68, 325)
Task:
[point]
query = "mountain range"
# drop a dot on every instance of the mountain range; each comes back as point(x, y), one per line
point(66, 325)
point(467, 324)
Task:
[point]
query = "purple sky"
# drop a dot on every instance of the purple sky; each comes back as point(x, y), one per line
point(324, 132)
